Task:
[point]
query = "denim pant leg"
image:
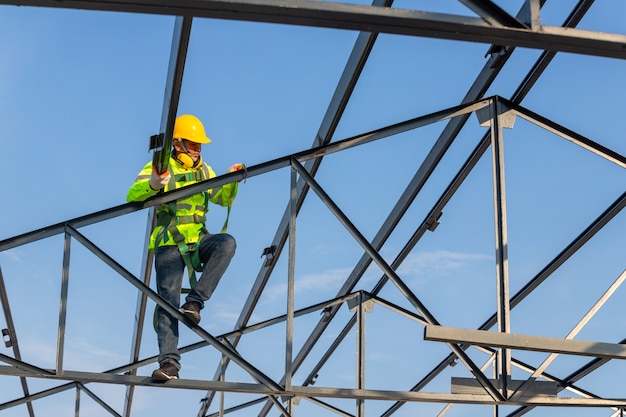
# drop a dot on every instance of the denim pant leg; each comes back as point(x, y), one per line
point(216, 251)
point(169, 266)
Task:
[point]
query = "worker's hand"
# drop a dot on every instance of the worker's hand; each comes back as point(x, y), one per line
point(236, 167)
point(158, 181)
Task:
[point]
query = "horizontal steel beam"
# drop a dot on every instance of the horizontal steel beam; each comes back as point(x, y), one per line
point(299, 391)
point(251, 171)
point(531, 389)
point(524, 342)
point(365, 19)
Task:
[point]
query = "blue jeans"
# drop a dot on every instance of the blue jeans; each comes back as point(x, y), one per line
point(215, 251)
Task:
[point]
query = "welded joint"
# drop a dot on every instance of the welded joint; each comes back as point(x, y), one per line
point(364, 300)
point(531, 14)
point(505, 114)
point(295, 400)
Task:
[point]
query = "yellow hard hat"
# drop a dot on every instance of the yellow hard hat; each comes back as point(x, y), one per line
point(190, 127)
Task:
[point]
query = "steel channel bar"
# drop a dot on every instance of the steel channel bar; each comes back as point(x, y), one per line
point(231, 353)
point(402, 287)
point(568, 134)
point(173, 84)
point(383, 395)
point(360, 353)
point(364, 18)
point(6, 308)
point(396, 308)
point(291, 271)
point(21, 365)
point(77, 402)
point(501, 242)
point(278, 163)
point(65, 277)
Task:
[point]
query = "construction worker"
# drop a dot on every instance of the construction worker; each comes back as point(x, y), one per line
point(180, 239)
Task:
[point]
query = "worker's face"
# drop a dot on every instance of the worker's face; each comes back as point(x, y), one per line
point(193, 148)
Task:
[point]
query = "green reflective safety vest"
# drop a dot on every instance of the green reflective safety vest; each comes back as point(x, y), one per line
point(182, 222)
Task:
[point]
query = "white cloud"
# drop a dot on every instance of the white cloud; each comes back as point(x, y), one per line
point(12, 255)
point(332, 278)
point(439, 262)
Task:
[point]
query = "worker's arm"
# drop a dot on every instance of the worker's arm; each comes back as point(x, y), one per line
point(225, 195)
point(147, 183)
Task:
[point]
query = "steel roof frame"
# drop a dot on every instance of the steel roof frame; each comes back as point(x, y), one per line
point(494, 25)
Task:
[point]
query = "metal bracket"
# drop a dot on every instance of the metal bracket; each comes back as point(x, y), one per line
point(269, 253)
point(485, 117)
point(434, 222)
point(368, 303)
point(8, 342)
point(156, 141)
point(326, 314)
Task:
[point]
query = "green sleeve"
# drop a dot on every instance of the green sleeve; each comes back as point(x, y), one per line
point(226, 194)
point(141, 190)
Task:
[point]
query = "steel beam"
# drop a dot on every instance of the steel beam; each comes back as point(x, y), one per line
point(366, 19)
point(524, 342)
point(297, 391)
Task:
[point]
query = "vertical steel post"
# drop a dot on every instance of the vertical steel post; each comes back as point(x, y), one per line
point(502, 261)
point(77, 402)
point(65, 275)
point(222, 378)
point(178, 55)
point(293, 194)
point(360, 354)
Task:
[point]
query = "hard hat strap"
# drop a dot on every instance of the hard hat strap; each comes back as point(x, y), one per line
point(189, 162)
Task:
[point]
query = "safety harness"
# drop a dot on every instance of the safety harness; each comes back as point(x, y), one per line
point(169, 220)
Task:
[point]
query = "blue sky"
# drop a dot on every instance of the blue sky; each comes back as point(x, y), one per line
point(81, 93)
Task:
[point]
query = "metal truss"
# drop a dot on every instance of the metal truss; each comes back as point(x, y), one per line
point(494, 27)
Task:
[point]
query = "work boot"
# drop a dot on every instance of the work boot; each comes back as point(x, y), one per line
point(191, 310)
point(166, 372)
